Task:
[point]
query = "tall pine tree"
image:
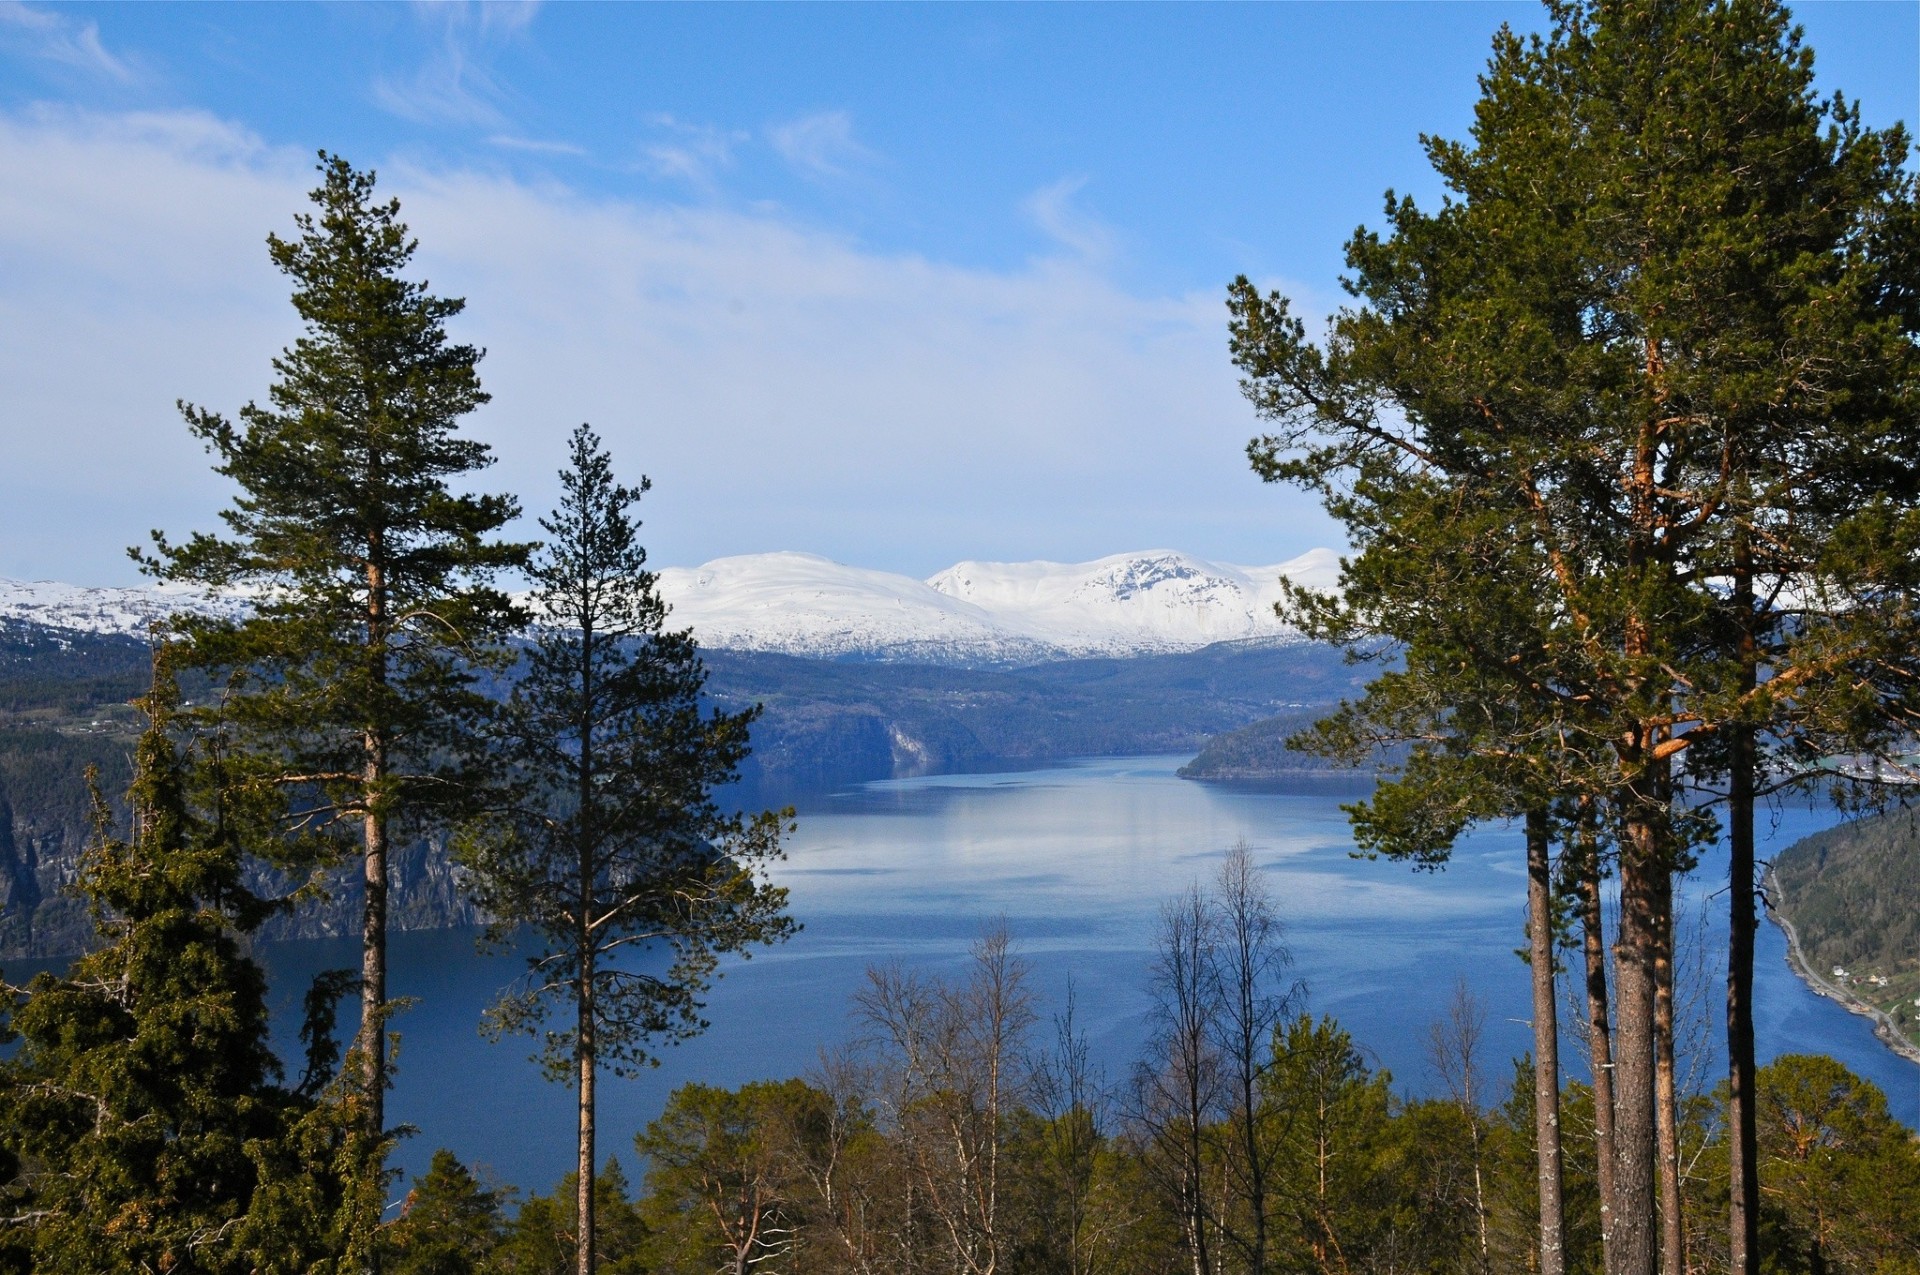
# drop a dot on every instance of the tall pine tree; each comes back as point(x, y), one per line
point(368, 573)
point(615, 854)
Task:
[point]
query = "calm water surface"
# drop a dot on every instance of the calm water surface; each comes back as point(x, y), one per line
point(1078, 861)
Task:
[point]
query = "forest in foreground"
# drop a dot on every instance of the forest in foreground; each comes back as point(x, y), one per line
point(924, 1150)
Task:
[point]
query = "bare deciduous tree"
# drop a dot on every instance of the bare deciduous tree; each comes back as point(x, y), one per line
point(1178, 1087)
point(953, 1053)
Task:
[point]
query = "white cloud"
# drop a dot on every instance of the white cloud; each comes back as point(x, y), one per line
point(58, 38)
point(1052, 209)
point(820, 145)
point(784, 387)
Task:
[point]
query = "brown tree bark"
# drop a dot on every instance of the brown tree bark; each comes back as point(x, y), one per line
point(583, 1054)
point(1600, 1038)
point(1546, 1049)
point(1743, 1220)
point(1642, 860)
point(372, 1041)
point(585, 1037)
point(1673, 1229)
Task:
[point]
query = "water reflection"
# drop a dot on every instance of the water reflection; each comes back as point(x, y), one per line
point(1077, 859)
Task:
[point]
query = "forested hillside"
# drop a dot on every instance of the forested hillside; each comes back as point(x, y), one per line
point(1852, 896)
point(1259, 752)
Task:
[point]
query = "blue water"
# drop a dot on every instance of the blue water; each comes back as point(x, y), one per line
point(1078, 861)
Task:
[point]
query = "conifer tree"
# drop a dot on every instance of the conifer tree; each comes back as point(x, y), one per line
point(449, 1223)
point(143, 1106)
point(614, 842)
point(366, 570)
point(1662, 328)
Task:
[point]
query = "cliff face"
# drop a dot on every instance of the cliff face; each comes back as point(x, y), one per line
point(423, 893)
point(63, 711)
point(44, 808)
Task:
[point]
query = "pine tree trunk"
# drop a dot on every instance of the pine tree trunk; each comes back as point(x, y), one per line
point(1642, 859)
point(587, 830)
point(1743, 1221)
point(1673, 1232)
point(1600, 1038)
point(373, 922)
point(1546, 1049)
point(583, 1052)
point(373, 965)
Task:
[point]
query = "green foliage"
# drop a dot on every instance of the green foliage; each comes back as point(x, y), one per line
point(367, 573)
point(348, 686)
point(143, 1109)
point(1840, 1177)
point(449, 1223)
point(726, 1184)
point(1659, 334)
point(541, 1238)
point(1330, 1116)
point(1264, 750)
point(614, 840)
point(1852, 895)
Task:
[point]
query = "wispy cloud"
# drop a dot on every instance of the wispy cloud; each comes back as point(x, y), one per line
point(58, 38)
point(692, 153)
point(535, 145)
point(1053, 209)
point(820, 145)
point(456, 83)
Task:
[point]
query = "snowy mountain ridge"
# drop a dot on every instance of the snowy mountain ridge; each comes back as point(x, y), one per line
point(800, 604)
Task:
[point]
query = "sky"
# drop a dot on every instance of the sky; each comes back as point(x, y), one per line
point(899, 285)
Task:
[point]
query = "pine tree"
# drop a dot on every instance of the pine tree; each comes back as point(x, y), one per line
point(1662, 330)
point(615, 843)
point(367, 574)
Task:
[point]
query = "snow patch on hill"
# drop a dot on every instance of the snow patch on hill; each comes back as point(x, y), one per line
point(801, 604)
point(105, 610)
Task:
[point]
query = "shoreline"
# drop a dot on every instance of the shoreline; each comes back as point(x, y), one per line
point(1884, 1028)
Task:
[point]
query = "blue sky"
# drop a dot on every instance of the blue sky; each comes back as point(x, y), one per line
point(896, 284)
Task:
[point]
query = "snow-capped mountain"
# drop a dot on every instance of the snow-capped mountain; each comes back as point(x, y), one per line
point(1001, 612)
point(1134, 602)
point(800, 604)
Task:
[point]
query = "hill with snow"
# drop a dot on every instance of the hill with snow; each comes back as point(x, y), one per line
point(799, 604)
point(104, 610)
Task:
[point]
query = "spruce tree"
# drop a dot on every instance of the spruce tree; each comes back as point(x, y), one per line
point(615, 843)
point(143, 1108)
point(449, 1223)
point(367, 572)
